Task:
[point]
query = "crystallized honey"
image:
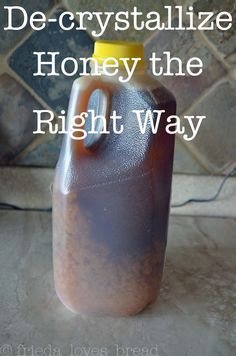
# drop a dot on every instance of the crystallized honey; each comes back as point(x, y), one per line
point(111, 198)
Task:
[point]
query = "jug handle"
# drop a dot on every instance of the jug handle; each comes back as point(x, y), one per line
point(80, 94)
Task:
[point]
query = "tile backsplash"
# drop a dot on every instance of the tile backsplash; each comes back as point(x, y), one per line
point(213, 93)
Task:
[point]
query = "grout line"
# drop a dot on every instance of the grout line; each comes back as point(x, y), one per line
point(201, 159)
point(203, 39)
point(204, 94)
point(36, 142)
point(64, 3)
point(13, 74)
point(158, 32)
point(212, 48)
point(214, 51)
point(3, 65)
point(28, 32)
point(30, 90)
point(192, 154)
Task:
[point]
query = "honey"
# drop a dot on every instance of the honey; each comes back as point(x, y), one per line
point(111, 201)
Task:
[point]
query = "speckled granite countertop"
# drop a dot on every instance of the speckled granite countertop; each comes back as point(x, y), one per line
point(195, 315)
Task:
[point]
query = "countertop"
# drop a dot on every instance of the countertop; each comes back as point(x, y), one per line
point(195, 314)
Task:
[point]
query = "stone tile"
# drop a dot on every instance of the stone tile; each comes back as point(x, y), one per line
point(204, 287)
point(185, 44)
point(10, 38)
point(225, 41)
point(44, 155)
point(184, 162)
point(213, 5)
point(231, 59)
point(14, 180)
point(184, 3)
point(186, 187)
point(193, 316)
point(210, 5)
point(54, 90)
point(115, 6)
point(215, 142)
point(17, 121)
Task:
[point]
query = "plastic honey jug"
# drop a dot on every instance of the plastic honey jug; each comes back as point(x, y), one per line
point(111, 193)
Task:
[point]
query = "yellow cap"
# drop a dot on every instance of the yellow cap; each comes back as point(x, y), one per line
point(117, 50)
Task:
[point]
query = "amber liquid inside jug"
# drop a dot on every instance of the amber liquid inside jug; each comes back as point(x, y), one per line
point(111, 206)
